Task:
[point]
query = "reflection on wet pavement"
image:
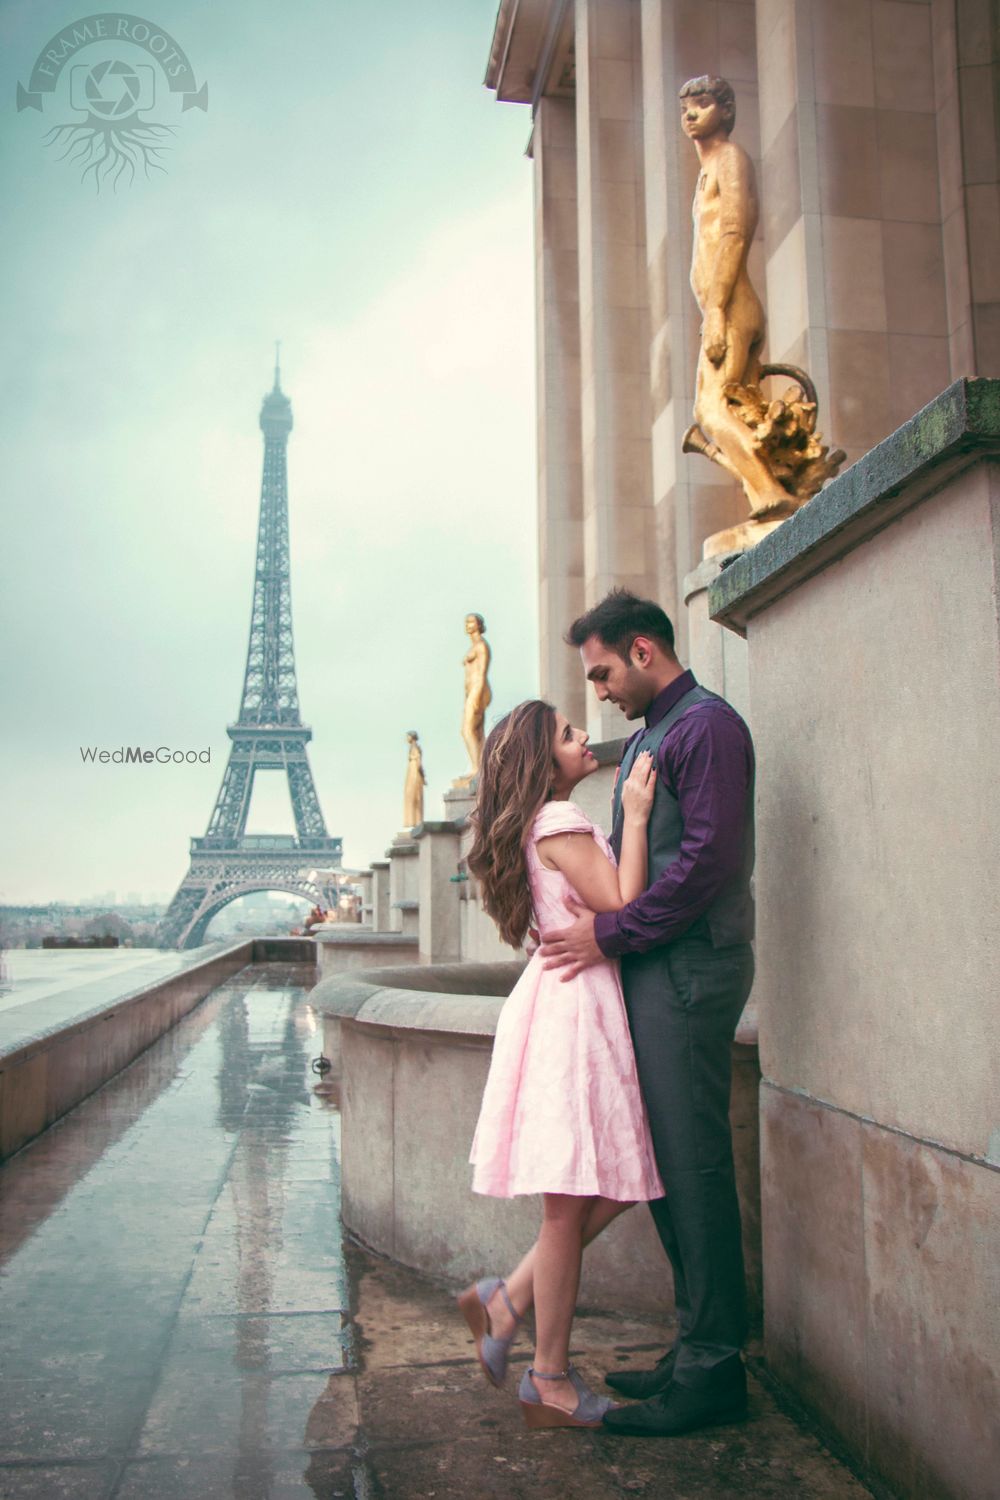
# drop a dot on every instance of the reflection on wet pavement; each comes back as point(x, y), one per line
point(175, 1306)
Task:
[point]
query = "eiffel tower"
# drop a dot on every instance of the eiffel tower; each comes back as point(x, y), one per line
point(268, 735)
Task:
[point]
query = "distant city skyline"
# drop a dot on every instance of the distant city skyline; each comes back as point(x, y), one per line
point(370, 207)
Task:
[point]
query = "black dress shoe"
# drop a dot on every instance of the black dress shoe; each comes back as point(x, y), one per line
point(682, 1408)
point(640, 1384)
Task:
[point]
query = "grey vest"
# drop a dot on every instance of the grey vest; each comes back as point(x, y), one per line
point(729, 919)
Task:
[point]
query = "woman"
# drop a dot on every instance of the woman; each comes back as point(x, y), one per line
point(562, 1114)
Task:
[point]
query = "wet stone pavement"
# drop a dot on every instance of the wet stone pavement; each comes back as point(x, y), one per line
point(180, 1318)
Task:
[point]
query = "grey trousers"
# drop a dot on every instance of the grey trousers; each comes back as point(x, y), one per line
point(684, 1001)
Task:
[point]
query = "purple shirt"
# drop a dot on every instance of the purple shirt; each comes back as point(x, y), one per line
point(706, 761)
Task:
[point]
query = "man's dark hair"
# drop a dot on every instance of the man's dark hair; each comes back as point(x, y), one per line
point(618, 619)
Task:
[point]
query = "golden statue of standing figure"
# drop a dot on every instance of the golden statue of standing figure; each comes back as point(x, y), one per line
point(771, 447)
point(413, 787)
point(477, 694)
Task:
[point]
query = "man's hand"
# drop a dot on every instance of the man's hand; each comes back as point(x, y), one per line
point(572, 948)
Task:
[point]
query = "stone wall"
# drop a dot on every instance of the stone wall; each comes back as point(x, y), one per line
point(57, 1051)
point(874, 661)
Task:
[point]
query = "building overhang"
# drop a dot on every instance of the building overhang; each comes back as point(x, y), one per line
point(532, 51)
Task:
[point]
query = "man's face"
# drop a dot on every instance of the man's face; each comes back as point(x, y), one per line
point(626, 684)
point(702, 116)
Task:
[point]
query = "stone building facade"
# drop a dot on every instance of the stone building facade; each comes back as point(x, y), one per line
point(873, 126)
point(861, 638)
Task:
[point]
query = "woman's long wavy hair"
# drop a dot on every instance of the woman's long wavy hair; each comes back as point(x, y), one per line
point(515, 780)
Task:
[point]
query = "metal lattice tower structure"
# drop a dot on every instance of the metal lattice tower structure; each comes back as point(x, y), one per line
point(268, 735)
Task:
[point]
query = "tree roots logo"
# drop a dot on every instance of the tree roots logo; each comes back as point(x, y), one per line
point(114, 95)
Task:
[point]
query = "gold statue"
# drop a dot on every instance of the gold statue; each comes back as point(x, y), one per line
point(771, 447)
point(413, 787)
point(477, 694)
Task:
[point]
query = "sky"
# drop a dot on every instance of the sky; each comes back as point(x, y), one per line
point(353, 190)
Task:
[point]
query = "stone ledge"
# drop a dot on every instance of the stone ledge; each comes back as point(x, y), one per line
point(27, 1028)
point(454, 998)
point(345, 995)
point(958, 428)
point(471, 1019)
point(66, 1057)
point(362, 937)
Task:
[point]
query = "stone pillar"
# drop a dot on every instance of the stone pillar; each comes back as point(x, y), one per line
point(967, 91)
point(403, 885)
point(381, 921)
point(717, 656)
point(365, 881)
point(683, 39)
point(618, 523)
point(557, 321)
point(458, 803)
point(439, 916)
point(852, 209)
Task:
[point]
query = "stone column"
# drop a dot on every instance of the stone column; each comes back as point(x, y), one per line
point(380, 896)
point(439, 917)
point(683, 39)
point(557, 313)
point(619, 542)
point(717, 656)
point(967, 91)
point(403, 885)
point(365, 880)
point(852, 208)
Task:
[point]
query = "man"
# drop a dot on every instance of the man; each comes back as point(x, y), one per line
point(687, 969)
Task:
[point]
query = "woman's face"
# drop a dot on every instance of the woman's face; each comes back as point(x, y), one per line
point(573, 761)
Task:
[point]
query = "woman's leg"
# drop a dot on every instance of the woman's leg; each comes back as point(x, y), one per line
point(556, 1278)
point(520, 1283)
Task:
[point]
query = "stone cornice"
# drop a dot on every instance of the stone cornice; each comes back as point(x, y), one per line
point(527, 36)
point(956, 429)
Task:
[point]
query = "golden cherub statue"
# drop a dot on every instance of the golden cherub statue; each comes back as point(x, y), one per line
point(771, 447)
point(413, 787)
point(477, 694)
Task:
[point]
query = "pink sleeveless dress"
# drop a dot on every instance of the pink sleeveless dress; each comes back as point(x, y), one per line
point(562, 1111)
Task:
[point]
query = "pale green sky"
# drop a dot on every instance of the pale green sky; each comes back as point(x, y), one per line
point(355, 191)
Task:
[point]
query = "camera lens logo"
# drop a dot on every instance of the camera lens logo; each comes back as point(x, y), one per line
point(114, 95)
point(112, 89)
